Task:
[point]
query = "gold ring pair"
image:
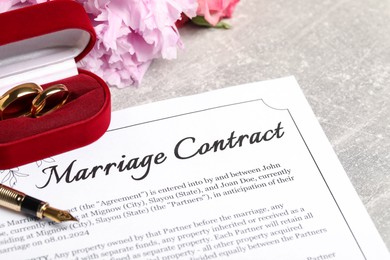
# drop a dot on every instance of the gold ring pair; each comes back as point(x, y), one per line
point(30, 99)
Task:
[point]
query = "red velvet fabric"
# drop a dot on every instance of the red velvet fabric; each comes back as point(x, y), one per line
point(85, 116)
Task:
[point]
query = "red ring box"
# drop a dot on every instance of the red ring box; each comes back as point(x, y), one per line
point(41, 44)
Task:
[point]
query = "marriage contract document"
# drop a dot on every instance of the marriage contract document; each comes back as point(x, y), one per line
point(244, 172)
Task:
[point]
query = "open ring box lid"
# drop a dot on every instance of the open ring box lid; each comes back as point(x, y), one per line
point(41, 44)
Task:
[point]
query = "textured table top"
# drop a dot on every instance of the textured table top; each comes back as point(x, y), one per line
point(337, 50)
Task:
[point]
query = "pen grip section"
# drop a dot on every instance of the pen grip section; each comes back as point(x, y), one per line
point(32, 206)
point(10, 198)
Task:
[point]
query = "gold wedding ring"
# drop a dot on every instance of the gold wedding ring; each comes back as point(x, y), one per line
point(16, 102)
point(49, 100)
point(30, 99)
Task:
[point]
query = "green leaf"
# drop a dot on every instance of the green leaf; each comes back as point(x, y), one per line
point(201, 21)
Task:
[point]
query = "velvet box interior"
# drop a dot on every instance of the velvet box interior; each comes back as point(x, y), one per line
point(41, 44)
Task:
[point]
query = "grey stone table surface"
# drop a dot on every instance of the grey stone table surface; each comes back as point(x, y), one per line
point(339, 51)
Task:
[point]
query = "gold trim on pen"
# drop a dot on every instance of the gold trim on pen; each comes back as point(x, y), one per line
point(10, 198)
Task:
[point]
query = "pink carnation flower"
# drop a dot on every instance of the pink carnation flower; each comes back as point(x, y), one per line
point(214, 10)
point(6, 5)
point(130, 34)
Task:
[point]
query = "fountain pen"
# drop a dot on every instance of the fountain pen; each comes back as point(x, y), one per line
point(20, 202)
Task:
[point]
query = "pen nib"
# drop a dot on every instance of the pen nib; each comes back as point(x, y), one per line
point(58, 215)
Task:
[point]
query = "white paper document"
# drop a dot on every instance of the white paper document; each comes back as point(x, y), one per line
point(244, 172)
